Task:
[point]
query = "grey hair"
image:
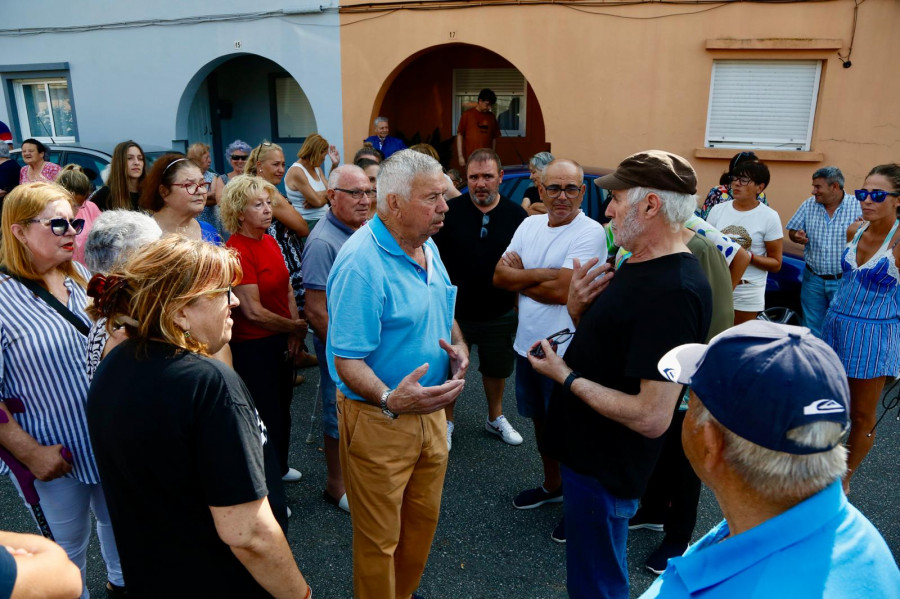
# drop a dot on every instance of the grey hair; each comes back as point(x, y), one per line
point(398, 173)
point(676, 207)
point(777, 475)
point(4, 149)
point(831, 174)
point(540, 161)
point(335, 175)
point(115, 235)
point(381, 119)
point(237, 145)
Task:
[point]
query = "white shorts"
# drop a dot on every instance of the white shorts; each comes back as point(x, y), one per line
point(750, 297)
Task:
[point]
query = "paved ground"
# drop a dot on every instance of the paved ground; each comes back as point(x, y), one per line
point(483, 546)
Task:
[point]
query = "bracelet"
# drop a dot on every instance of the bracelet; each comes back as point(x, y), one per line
point(567, 384)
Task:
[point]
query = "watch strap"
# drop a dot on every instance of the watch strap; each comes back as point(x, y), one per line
point(567, 384)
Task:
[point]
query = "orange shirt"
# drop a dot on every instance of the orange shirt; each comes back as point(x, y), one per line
point(478, 129)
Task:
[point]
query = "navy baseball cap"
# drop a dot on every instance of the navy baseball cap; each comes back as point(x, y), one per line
point(762, 379)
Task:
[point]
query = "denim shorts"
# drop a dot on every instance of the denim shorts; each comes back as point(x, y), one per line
point(328, 390)
point(533, 390)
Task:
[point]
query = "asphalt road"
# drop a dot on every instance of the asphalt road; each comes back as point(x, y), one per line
point(483, 546)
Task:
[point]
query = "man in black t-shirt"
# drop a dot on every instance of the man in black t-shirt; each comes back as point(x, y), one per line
point(477, 230)
point(608, 416)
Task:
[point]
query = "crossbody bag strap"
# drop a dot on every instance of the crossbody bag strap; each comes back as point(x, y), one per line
point(51, 301)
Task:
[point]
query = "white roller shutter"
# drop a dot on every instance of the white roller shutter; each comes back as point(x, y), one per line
point(762, 103)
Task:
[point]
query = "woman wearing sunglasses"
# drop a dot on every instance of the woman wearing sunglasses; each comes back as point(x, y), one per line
point(175, 194)
point(863, 321)
point(236, 154)
point(185, 463)
point(43, 383)
point(268, 331)
point(757, 229)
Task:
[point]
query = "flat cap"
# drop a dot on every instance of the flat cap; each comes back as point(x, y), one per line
point(655, 169)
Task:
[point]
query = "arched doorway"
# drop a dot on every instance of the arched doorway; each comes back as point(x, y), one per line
point(426, 94)
point(245, 97)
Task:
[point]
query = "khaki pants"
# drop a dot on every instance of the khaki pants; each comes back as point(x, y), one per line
point(394, 474)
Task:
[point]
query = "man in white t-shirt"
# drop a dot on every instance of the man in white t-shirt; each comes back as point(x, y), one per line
point(538, 266)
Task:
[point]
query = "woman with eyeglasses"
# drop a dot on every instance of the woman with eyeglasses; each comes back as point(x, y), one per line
point(175, 195)
point(268, 331)
point(127, 172)
point(863, 321)
point(722, 193)
point(757, 229)
point(36, 168)
point(186, 464)
point(43, 383)
point(73, 180)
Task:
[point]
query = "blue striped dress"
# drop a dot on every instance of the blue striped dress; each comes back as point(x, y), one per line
point(42, 363)
point(862, 324)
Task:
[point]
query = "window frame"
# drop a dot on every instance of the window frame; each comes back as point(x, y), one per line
point(273, 109)
point(786, 145)
point(459, 93)
point(12, 74)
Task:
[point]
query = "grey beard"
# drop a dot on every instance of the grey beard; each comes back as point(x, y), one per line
point(490, 200)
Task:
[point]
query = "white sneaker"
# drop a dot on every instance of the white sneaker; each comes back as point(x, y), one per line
point(449, 435)
point(503, 429)
point(288, 512)
point(292, 476)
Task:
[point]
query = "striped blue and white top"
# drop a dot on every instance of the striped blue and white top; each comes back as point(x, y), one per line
point(42, 363)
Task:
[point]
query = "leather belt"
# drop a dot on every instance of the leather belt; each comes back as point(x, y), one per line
point(824, 277)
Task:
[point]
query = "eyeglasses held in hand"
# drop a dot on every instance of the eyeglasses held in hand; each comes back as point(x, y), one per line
point(194, 188)
point(741, 180)
point(571, 191)
point(484, 223)
point(357, 194)
point(60, 226)
point(555, 340)
point(877, 195)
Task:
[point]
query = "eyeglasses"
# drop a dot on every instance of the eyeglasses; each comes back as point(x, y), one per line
point(357, 194)
point(877, 195)
point(741, 180)
point(239, 157)
point(555, 340)
point(194, 188)
point(60, 226)
point(484, 223)
point(220, 290)
point(571, 191)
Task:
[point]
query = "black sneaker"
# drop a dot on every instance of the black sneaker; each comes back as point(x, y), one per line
point(641, 521)
point(658, 560)
point(559, 533)
point(532, 498)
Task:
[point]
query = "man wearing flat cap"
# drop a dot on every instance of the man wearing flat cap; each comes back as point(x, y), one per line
point(769, 406)
point(612, 407)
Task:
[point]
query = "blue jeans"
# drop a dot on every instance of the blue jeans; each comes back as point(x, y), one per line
point(815, 297)
point(596, 535)
point(328, 392)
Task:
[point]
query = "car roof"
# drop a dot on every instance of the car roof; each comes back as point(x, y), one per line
point(104, 147)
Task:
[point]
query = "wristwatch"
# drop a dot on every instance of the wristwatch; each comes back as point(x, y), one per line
point(384, 408)
point(567, 384)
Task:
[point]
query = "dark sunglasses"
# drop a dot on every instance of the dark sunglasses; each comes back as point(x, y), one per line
point(555, 339)
point(60, 226)
point(877, 195)
point(484, 223)
point(237, 157)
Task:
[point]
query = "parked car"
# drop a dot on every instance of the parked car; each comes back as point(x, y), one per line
point(93, 158)
point(782, 287)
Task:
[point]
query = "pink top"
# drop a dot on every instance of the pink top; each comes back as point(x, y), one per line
point(48, 173)
point(89, 212)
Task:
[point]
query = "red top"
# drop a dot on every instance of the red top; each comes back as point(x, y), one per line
point(479, 129)
point(264, 267)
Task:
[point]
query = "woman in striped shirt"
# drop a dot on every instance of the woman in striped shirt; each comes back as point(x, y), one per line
point(863, 321)
point(42, 364)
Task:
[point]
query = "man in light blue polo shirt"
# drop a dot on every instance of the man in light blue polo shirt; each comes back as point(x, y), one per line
point(769, 406)
point(820, 226)
point(348, 193)
point(398, 358)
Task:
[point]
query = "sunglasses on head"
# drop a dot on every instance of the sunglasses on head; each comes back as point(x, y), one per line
point(60, 226)
point(877, 195)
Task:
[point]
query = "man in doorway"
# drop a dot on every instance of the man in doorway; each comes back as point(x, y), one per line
point(820, 226)
point(383, 142)
point(478, 127)
point(477, 230)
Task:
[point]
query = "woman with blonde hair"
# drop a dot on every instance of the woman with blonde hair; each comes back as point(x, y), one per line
point(160, 409)
point(306, 183)
point(43, 383)
point(127, 171)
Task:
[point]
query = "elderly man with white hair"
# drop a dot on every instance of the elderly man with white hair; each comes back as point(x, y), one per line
point(611, 406)
point(381, 141)
point(769, 407)
point(398, 358)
